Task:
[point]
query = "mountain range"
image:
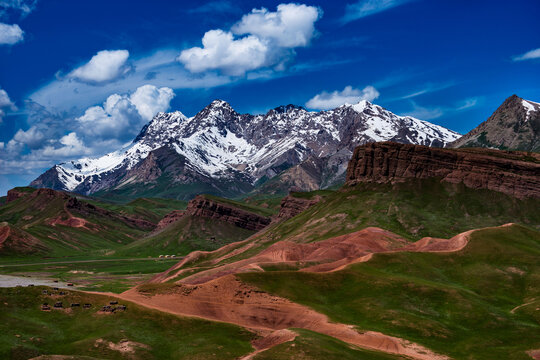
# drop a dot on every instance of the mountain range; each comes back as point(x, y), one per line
point(222, 152)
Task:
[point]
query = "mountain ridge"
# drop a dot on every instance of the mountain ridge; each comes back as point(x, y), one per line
point(225, 152)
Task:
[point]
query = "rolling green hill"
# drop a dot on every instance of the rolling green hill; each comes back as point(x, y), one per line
point(479, 303)
point(27, 332)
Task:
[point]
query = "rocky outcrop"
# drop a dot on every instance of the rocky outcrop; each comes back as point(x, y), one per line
point(205, 207)
point(292, 206)
point(510, 172)
point(14, 194)
point(170, 218)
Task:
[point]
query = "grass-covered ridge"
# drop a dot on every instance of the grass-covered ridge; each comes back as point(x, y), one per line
point(242, 205)
point(188, 234)
point(151, 209)
point(309, 345)
point(413, 210)
point(26, 331)
point(468, 304)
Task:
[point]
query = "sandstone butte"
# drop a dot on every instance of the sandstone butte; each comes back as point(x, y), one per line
point(514, 173)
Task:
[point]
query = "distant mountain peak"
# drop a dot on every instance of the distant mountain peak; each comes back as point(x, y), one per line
point(515, 125)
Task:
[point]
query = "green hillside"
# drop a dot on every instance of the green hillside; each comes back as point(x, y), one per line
point(27, 332)
point(413, 209)
point(468, 304)
point(188, 234)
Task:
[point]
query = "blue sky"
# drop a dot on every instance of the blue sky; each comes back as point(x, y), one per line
point(80, 78)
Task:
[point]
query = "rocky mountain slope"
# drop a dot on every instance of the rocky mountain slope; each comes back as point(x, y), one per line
point(223, 152)
point(513, 173)
point(515, 125)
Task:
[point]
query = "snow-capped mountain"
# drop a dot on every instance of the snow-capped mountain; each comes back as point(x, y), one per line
point(515, 125)
point(231, 152)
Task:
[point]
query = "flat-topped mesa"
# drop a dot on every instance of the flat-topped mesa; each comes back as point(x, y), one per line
point(205, 207)
point(511, 172)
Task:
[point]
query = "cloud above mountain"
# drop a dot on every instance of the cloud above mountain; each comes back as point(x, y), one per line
point(349, 95)
point(261, 39)
point(52, 137)
point(122, 116)
point(105, 66)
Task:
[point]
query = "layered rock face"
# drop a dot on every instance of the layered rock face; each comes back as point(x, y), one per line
point(170, 218)
point(510, 172)
point(202, 206)
point(292, 206)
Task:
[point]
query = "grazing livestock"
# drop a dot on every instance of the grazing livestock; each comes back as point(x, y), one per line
point(75, 304)
point(58, 304)
point(87, 306)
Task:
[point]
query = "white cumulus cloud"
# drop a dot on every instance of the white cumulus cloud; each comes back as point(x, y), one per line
point(349, 95)
point(122, 116)
point(221, 51)
point(292, 25)
point(10, 34)
point(105, 66)
point(5, 103)
point(533, 54)
point(261, 39)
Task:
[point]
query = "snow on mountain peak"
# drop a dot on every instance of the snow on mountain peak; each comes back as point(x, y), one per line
point(218, 141)
point(530, 106)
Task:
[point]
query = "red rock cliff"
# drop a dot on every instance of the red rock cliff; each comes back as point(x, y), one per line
point(510, 172)
point(292, 206)
point(202, 206)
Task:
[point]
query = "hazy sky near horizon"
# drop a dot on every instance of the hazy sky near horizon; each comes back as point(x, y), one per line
point(80, 79)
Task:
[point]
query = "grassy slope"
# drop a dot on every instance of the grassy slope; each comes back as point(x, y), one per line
point(109, 233)
point(25, 331)
point(63, 240)
point(150, 209)
point(458, 303)
point(167, 187)
point(413, 210)
point(310, 345)
point(186, 235)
